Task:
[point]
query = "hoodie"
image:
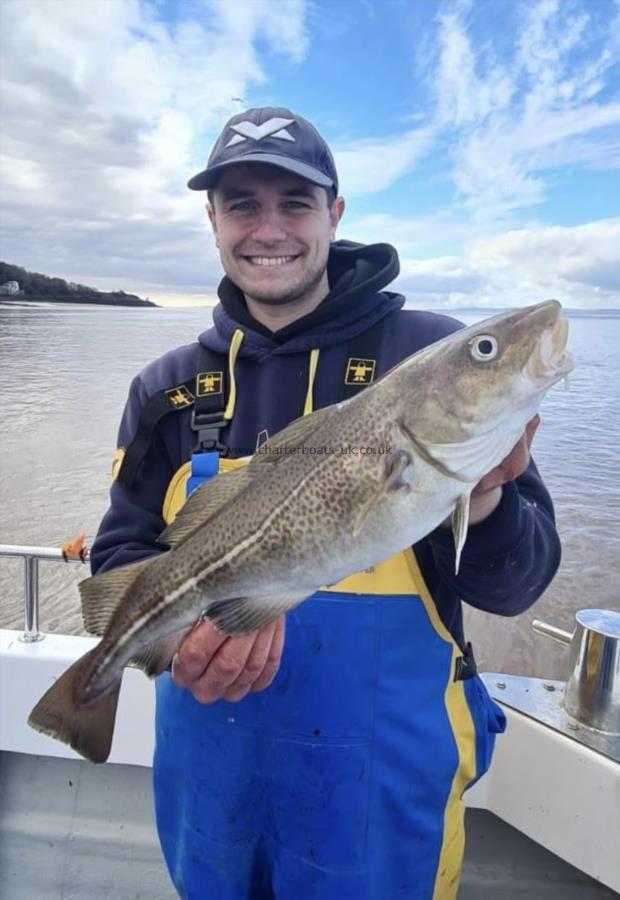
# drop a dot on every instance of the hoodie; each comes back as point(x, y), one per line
point(508, 559)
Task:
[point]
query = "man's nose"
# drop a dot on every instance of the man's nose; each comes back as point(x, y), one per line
point(269, 227)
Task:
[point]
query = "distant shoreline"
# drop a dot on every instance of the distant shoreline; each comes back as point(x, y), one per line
point(18, 301)
point(18, 285)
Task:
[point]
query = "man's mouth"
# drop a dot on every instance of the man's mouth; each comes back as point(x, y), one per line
point(269, 261)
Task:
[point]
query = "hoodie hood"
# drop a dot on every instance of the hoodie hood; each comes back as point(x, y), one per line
point(356, 274)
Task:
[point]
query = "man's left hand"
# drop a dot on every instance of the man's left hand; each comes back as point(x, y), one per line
point(486, 496)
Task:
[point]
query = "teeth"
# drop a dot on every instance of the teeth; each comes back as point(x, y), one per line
point(270, 260)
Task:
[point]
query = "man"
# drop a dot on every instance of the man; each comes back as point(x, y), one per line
point(328, 762)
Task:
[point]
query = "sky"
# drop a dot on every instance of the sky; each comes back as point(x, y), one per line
point(480, 137)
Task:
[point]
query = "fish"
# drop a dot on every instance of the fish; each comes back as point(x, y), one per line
point(334, 493)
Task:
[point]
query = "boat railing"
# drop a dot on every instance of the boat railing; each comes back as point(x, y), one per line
point(75, 552)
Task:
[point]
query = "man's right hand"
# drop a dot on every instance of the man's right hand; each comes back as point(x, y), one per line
point(213, 666)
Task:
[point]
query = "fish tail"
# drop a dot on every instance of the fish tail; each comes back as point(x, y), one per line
point(88, 728)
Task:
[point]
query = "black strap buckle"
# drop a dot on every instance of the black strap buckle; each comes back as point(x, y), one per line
point(466, 665)
point(209, 426)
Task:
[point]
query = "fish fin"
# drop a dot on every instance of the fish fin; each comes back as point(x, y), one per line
point(397, 464)
point(203, 503)
point(294, 435)
point(243, 615)
point(88, 729)
point(156, 658)
point(460, 524)
point(101, 594)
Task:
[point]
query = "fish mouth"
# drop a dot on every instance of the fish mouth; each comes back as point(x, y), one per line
point(550, 360)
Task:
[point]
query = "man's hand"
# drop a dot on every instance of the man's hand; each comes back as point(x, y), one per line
point(487, 494)
point(213, 666)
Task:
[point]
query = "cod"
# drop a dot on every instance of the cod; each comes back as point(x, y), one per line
point(308, 510)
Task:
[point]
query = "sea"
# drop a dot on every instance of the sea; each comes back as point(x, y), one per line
point(64, 375)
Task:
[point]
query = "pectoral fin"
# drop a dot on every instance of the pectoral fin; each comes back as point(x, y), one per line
point(460, 522)
point(157, 657)
point(395, 480)
point(242, 615)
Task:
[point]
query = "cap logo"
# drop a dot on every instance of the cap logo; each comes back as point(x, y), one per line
point(275, 128)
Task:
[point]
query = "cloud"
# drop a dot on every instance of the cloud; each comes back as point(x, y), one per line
point(510, 118)
point(369, 165)
point(101, 129)
point(584, 260)
point(110, 110)
point(450, 277)
point(536, 106)
point(580, 266)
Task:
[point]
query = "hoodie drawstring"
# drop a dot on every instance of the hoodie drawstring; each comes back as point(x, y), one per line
point(233, 350)
point(314, 361)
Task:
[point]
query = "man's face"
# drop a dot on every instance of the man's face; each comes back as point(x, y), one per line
point(273, 230)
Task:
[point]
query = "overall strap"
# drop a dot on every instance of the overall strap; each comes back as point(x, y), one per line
point(212, 388)
point(212, 394)
point(207, 392)
point(362, 359)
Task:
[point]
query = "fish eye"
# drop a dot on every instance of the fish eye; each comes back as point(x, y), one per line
point(483, 347)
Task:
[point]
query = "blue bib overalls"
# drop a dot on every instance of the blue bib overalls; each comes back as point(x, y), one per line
point(344, 779)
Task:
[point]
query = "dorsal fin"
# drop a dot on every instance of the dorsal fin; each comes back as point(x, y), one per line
point(204, 503)
point(101, 594)
point(294, 435)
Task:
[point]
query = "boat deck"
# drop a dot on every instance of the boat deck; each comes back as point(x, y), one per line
point(73, 831)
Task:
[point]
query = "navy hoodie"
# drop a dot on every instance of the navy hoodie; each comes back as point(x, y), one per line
point(508, 560)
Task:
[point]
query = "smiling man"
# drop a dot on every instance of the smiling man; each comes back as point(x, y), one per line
point(323, 758)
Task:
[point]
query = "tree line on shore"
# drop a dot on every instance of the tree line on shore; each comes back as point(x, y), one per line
point(34, 286)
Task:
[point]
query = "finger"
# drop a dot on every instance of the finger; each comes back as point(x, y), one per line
point(195, 653)
point(516, 462)
point(254, 666)
point(274, 656)
point(530, 430)
point(224, 668)
point(495, 478)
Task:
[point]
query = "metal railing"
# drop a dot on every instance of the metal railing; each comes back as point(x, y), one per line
point(31, 557)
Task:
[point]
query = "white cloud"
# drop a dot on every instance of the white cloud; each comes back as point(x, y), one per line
point(106, 115)
point(435, 234)
point(585, 258)
point(580, 266)
point(535, 108)
point(369, 165)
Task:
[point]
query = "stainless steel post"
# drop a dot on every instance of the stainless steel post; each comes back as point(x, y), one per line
point(593, 688)
point(592, 693)
point(31, 601)
point(31, 557)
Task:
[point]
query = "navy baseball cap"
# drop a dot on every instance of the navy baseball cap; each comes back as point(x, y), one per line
point(272, 135)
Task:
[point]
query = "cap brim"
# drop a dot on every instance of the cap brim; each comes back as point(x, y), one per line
point(208, 177)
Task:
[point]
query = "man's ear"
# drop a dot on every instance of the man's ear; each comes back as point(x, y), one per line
point(335, 214)
point(213, 221)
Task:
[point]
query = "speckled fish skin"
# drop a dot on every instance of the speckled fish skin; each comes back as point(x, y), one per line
point(314, 506)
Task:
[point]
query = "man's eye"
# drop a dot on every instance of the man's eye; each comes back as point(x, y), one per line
point(242, 206)
point(296, 204)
